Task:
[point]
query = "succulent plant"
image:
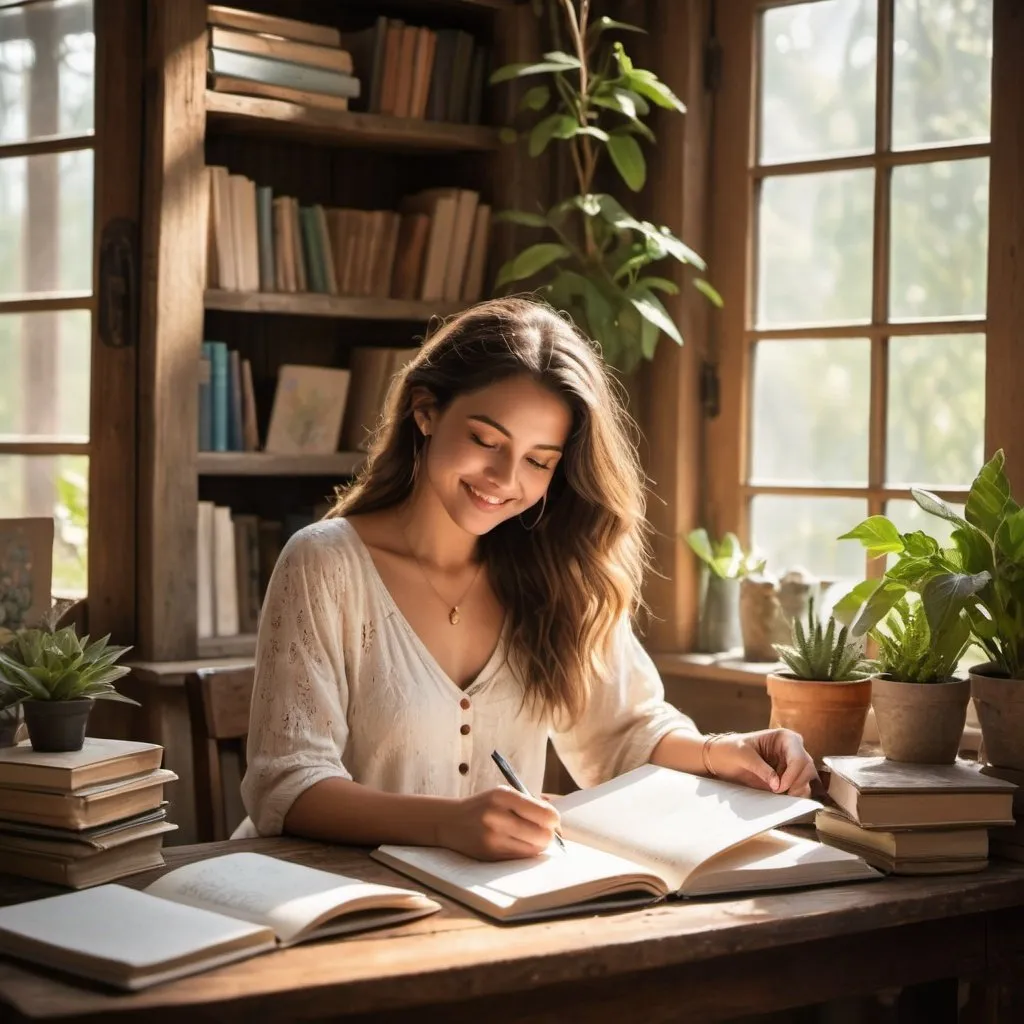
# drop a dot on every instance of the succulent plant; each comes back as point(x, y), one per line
point(40, 664)
point(823, 654)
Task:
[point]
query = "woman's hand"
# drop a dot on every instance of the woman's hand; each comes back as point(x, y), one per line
point(500, 824)
point(772, 759)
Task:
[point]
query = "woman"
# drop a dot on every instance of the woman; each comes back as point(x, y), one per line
point(472, 592)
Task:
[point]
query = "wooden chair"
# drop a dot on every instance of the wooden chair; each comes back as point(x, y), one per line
point(218, 703)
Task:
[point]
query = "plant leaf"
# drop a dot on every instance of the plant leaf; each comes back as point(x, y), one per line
point(530, 261)
point(662, 284)
point(650, 308)
point(647, 84)
point(554, 125)
point(510, 71)
point(846, 608)
point(628, 159)
point(989, 496)
point(604, 23)
point(535, 98)
point(944, 596)
point(708, 291)
point(935, 506)
point(524, 217)
point(878, 535)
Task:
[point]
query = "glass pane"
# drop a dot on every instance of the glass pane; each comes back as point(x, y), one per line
point(909, 516)
point(811, 410)
point(55, 485)
point(942, 72)
point(801, 532)
point(936, 416)
point(814, 248)
point(939, 234)
point(46, 223)
point(44, 387)
point(818, 80)
point(47, 70)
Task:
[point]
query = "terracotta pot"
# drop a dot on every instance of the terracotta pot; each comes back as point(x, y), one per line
point(829, 716)
point(920, 722)
point(999, 701)
point(57, 725)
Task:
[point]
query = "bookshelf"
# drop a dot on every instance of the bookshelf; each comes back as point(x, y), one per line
point(339, 159)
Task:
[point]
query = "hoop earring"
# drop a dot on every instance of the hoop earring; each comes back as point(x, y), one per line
point(543, 506)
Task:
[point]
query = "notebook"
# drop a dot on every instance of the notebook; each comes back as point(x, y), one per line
point(99, 760)
point(197, 917)
point(645, 835)
point(878, 793)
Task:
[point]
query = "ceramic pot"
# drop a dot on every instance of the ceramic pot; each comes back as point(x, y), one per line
point(720, 615)
point(999, 702)
point(56, 725)
point(829, 716)
point(920, 722)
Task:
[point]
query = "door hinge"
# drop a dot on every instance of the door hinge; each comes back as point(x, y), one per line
point(709, 389)
point(118, 306)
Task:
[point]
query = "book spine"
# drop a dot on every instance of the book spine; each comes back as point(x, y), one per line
point(265, 229)
point(219, 386)
point(205, 400)
point(257, 68)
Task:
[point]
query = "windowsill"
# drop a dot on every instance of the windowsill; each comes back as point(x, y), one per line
point(728, 667)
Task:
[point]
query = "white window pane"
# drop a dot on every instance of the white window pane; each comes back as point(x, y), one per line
point(47, 70)
point(811, 411)
point(44, 387)
point(818, 80)
point(939, 240)
point(942, 72)
point(801, 532)
point(52, 486)
point(46, 223)
point(936, 415)
point(814, 249)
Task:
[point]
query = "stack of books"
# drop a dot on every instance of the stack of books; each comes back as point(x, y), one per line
point(82, 817)
point(914, 819)
point(279, 58)
point(1008, 843)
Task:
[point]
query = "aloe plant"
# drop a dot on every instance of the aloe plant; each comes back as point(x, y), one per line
point(824, 653)
point(40, 664)
point(595, 257)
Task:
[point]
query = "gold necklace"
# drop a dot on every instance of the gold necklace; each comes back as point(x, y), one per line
point(453, 612)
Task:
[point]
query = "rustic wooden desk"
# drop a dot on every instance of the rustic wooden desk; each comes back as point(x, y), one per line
point(701, 961)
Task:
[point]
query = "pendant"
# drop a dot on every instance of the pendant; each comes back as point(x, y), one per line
point(453, 616)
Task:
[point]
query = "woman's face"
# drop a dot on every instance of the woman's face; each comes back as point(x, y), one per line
point(492, 453)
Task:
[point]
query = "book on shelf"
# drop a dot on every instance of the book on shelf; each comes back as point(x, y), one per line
point(433, 249)
point(373, 370)
point(203, 915)
point(912, 851)
point(329, 58)
point(878, 793)
point(309, 405)
point(266, 24)
point(647, 835)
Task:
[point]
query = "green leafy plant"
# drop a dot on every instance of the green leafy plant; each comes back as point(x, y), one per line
point(725, 558)
point(824, 653)
point(908, 652)
point(39, 664)
point(980, 575)
point(596, 256)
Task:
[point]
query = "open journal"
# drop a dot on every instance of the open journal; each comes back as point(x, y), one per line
point(197, 917)
point(648, 834)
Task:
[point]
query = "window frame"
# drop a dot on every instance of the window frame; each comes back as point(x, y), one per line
point(116, 142)
point(733, 245)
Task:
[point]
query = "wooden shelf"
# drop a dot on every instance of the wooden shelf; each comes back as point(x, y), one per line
point(242, 646)
point(317, 304)
point(337, 464)
point(230, 114)
point(714, 668)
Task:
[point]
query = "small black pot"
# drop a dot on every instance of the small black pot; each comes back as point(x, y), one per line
point(57, 725)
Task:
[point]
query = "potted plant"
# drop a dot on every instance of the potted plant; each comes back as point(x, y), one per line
point(594, 257)
point(826, 693)
point(919, 701)
point(725, 564)
point(56, 676)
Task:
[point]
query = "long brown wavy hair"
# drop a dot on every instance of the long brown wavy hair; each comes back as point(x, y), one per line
point(567, 583)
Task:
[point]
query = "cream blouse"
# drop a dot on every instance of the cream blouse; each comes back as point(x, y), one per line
point(345, 689)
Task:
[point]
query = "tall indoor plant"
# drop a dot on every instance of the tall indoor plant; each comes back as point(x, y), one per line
point(595, 257)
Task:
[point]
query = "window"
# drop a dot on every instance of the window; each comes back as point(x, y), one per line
point(47, 116)
point(851, 231)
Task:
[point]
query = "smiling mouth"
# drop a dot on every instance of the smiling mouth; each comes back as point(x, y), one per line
point(487, 499)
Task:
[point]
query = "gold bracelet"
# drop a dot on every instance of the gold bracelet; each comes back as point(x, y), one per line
point(706, 749)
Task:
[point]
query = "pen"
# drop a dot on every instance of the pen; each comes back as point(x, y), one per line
point(513, 780)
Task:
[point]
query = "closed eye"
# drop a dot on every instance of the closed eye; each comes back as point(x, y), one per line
point(539, 465)
point(483, 444)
